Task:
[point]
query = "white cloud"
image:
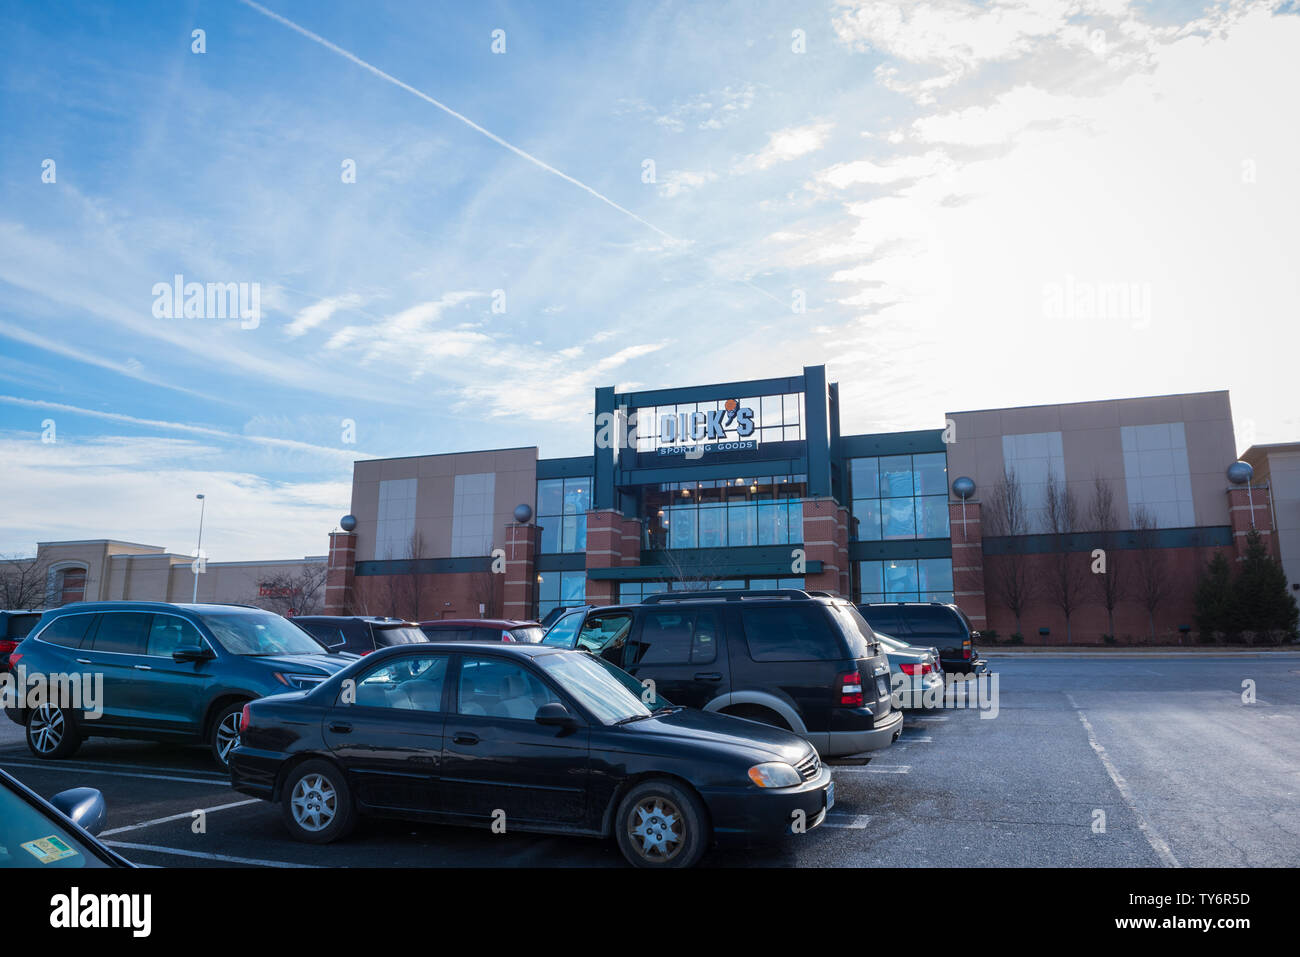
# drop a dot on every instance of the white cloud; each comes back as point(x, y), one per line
point(785, 145)
point(319, 312)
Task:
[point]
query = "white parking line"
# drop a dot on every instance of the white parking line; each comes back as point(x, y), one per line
point(1154, 839)
point(54, 766)
point(852, 822)
point(178, 817)
point(203, 855)
point(878, 769)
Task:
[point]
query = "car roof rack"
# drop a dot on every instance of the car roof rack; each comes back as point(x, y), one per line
point(730, 594)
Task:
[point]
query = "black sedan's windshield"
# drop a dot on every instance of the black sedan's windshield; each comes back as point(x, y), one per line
point(28, 838)
point(606, 697)
point(258, 635)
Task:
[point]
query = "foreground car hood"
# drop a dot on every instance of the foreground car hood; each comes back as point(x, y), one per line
point(705, 727)
point(323, 663)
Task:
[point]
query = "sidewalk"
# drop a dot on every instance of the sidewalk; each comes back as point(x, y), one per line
point(1138, 651)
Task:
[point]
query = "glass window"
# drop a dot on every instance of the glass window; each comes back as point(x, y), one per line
point(31, 838)
point(565, 630)
point(562, 506)
point(550, 497)
point(67, 631)
point(407, 684)
point(932, 516)
point(675, 638)
point(898, 518)
point(167, 633)
point(900, 580)
point(864, 478)
point(126, 633)
point(609, 694)
point(259, 634)
point(742, 525)
point(867, 512)
point(896, 476)
point(795, 633)
point(931, 473)
point(935, 575)
point(490, 687)
point(713, 526)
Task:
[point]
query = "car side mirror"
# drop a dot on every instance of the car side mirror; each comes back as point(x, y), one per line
point(556, 715)
point(192, 653)
point(84, 807)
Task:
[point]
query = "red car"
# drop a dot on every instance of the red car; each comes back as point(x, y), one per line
point(483, 629)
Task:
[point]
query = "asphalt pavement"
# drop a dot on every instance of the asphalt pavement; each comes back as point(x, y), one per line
point(1153, 761)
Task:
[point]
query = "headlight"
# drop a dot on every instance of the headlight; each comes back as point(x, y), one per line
point(300, 682)
point(774, 774)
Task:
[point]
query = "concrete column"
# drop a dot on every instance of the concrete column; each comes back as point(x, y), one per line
point(826, 539)
point(519, 592)
point(341, 573)
point(968, 561)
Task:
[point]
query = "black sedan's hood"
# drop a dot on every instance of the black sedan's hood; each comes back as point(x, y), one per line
point(705, 727)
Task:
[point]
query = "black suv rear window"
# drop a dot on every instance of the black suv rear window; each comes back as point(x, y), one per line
point(399, 635)
point(883, 619)
point(790, 633)
point(934, 622)
point(858, 635)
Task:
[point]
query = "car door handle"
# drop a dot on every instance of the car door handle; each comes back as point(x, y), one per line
point(143, 667)
point(465, 738)
point(83, 661)
point(708, 676)
point(340, 727)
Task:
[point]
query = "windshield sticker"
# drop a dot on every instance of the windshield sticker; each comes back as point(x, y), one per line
point(47, 850)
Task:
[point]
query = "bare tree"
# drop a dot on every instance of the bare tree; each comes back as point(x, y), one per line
point(1066, 579)
point(1010, 578)
point(486, 589)
point(1151, 577)
point(24, 583)
point(411, 584)
point(301, 592)
point(689, 570)
point(1104, 524)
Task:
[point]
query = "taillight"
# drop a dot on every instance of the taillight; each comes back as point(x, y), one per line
point(965, 650)
point(7, 645)
point(851, 690)
point(246, 718)
point(921, 669)
point(14, 659)
point(506, 636)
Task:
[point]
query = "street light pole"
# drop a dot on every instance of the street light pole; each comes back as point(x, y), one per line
point(198, 552)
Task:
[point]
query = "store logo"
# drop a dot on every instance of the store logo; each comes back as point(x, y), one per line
point(713, 424)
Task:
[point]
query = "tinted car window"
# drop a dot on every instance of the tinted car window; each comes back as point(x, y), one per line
point(857, 634)
point(409, 684)
point(449, 634)
point(167, 633)
point(20, 626)
point(487, 634)
point(604, 631)
point(331, 636)
point(789, 633)
point(675, 638)
point(563, 632)
point(123, 632)
point(67, 631)
point(529, 634)
point(402, 635)
point(884, 619)
point(938, 622)
point(500, 689)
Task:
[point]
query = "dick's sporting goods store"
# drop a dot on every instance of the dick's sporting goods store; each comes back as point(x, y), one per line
point(752, 484)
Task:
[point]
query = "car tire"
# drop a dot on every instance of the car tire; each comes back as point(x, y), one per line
point(661, 824)
point(52, 732)
point(224, 725)
point(317, 803)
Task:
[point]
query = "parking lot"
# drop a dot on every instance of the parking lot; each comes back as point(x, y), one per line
point(1184, 772)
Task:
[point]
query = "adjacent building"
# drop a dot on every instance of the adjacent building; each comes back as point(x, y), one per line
point(752, 484)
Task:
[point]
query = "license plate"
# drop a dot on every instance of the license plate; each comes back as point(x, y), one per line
point(830, 795)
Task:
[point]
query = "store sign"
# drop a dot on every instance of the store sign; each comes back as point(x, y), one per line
point(718, 430)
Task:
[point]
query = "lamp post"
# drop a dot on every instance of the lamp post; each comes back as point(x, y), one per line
point(1240, 473)
point(198, 552)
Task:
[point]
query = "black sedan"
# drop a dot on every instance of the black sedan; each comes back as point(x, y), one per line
point(529, 738)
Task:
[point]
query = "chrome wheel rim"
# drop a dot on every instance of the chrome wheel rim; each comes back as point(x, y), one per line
point(227, 736)
point(314, 802)
point(46, 729)
point(657, 830)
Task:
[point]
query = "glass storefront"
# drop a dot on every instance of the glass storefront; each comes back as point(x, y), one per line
point(560, 588)
point(724, 513)
point(899, 497)
point(905, 579)
point(777, 418)
point(632, 592)
point(562, 506)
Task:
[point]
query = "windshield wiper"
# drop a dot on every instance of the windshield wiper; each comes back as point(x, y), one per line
point(668, 709)
point(630, 718)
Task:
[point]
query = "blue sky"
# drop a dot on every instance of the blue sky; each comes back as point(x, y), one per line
point(923, 173)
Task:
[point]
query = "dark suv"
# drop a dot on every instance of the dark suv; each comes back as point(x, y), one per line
point(945, 627)
point(159, 671)
point(797, 660)
point(359, 634)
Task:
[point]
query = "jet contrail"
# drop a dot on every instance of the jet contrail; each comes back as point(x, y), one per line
point(316, 38)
